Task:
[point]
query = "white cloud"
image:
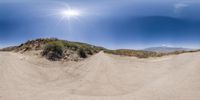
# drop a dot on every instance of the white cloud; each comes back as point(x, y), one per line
point(179, 7)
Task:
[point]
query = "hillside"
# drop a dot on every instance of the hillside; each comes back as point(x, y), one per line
point(55, 49)
point(164, 49)
point(135, 53)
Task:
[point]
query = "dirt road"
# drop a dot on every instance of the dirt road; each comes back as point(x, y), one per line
point(100, 77)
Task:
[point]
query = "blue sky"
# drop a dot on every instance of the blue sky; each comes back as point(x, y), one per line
point(114, 24)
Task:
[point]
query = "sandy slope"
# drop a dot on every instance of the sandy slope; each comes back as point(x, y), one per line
point(100, 77)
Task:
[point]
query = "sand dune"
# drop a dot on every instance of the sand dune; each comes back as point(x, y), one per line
point(100, 77)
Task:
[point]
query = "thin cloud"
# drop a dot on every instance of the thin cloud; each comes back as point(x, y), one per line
point(179, 7)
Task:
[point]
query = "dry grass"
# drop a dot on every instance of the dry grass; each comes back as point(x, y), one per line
point(144, 54)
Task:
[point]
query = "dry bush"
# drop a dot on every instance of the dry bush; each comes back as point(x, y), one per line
point(53, 50)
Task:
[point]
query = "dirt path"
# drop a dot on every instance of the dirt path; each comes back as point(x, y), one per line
point(100, 77)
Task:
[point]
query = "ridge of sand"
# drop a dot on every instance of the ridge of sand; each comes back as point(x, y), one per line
point(100, 77)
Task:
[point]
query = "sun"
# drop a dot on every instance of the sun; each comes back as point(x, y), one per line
point(66, 14)
point(70, 13)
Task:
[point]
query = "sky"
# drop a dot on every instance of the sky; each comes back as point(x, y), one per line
point(114, 24)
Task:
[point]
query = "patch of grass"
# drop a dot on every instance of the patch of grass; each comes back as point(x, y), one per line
point(144, 54)
point(136, 53)
point(90, 49)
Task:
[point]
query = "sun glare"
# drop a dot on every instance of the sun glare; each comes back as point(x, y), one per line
point(70, 13)
point(67, 14)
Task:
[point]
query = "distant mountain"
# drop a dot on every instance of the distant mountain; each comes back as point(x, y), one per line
point(164, 49)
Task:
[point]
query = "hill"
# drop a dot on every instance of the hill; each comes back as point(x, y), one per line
point(165, 49)
point(55, 49)
point(135, 53)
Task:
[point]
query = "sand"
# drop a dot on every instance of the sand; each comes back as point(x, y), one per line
point(100, 77)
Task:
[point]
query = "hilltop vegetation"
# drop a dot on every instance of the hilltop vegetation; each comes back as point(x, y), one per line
point(145, 54)
point(59, 49)
point(55, 49)
point(165, 49)
point(136, 53)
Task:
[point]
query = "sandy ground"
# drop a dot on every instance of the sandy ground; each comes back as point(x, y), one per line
point(100, 77)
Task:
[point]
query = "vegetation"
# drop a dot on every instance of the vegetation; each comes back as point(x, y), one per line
point(9, 48)
point(53, 50)
point(136, 53)
point(180, 52)
point(144, 54)
point(82, 53)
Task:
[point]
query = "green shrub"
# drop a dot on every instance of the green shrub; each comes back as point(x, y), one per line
point(82, 53)
point(53, 50)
